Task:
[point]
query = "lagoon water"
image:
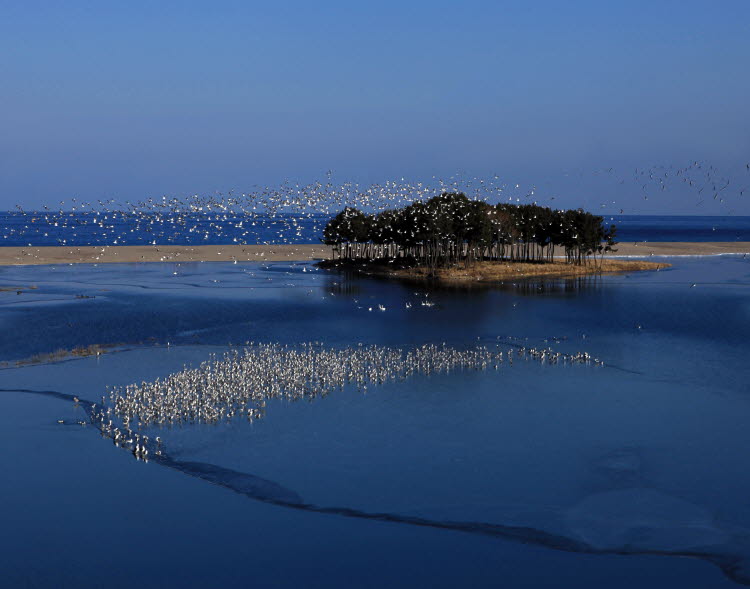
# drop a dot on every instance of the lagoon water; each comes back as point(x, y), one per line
point(533, 475)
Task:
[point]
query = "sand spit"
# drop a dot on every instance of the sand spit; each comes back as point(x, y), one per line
point(15, 256)
point(130, 254)
point(681, 248)
point(61, 354)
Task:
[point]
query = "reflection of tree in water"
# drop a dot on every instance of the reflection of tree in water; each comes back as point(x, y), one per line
point(573, 284)
point(349, 282)
point(342, 286)
point(525, 286)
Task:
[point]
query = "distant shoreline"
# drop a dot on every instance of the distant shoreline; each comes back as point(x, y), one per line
point(17, 256)
point(132, 254)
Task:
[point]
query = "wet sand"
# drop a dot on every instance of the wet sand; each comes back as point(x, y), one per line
point(681, 248)
point(10, 256)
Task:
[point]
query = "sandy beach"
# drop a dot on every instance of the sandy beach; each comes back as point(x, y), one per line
point(681, 248)
point(14, 256)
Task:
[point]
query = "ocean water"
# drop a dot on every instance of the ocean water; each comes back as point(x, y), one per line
point(81, 229)
point(532, 475)
point(680, 228)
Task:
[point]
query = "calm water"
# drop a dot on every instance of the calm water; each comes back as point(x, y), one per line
point(676, 228)
point(80, 229)
point(568, 466)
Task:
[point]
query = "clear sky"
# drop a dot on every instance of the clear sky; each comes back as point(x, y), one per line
point(134, 99)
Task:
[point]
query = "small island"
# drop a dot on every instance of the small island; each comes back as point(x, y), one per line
point(451, 238)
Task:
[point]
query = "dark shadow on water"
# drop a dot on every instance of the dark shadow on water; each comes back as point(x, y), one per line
point(342, 286)
point(349, 282)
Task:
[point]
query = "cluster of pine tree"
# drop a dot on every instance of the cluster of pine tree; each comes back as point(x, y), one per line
point(451, 228)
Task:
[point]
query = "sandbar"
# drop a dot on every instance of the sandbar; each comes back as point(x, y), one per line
point(15, 256)
point(131, 254)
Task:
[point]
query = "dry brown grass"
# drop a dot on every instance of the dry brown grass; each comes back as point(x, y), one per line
point(488, 272)
point(500, 271)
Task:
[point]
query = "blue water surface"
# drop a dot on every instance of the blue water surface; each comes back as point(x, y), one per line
point(122, 228)
point(641, 457)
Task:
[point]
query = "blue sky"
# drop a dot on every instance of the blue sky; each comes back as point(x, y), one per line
point(138, 99)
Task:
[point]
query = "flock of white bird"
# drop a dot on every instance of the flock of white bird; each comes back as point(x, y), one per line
point(293, 210)
point(240, 383)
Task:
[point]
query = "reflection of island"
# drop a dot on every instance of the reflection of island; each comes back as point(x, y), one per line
point(451, 238)
point(344, 282)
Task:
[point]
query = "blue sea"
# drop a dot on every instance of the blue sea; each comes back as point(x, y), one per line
point(119, 228)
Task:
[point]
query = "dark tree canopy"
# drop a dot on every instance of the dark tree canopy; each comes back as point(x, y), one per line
point(451, 227)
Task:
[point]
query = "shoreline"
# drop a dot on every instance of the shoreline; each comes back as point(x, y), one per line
point(22, 256)
point(136, 254)
point(485, 272)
